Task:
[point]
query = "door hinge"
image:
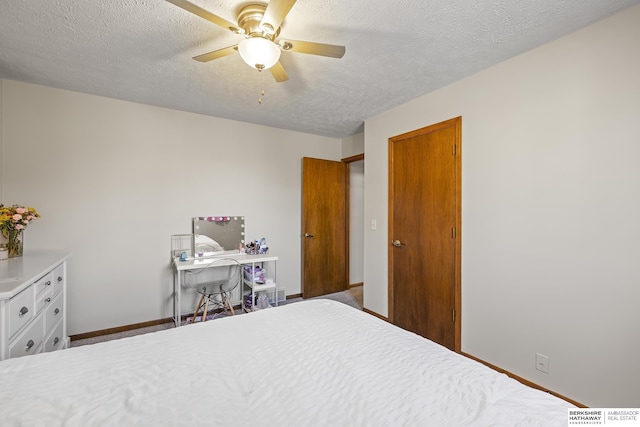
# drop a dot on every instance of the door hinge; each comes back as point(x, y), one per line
point(453, 232)
point(454, 149)
point(454, 315)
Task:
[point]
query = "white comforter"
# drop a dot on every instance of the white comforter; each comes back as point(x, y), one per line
point(312, 363)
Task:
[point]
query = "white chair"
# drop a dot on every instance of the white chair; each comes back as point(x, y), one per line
point(215, 293)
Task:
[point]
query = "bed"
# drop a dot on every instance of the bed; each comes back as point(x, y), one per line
point(310, 363)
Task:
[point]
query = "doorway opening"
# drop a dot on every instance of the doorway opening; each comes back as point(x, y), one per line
point(331, 262)
point(355, 234)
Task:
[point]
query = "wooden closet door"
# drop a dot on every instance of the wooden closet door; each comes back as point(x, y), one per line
point(424, 222)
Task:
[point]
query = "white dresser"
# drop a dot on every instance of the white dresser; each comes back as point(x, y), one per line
point(33, 303)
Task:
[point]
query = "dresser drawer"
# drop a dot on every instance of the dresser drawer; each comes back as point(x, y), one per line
point(29, 342)
point(58, 278)
point(53, 313)
point(21, 310)
point(44, 299)
point(44, 284)
point(55, 339)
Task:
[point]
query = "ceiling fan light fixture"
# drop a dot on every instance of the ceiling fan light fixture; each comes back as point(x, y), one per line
point(259, 52)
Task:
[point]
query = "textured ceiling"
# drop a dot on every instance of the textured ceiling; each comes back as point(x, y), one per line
point(141, 50)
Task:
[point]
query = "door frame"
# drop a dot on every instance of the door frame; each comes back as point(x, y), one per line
point(348, 161)
point(457, 123)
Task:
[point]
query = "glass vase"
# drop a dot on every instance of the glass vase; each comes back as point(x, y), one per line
point(15, 243)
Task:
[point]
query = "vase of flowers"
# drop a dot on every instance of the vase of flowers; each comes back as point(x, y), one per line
point(13, 221)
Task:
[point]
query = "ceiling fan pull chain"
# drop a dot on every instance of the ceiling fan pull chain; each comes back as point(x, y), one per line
point(261, 87)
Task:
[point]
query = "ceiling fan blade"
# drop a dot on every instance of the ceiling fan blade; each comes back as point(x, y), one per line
point(275, 13)
point(330, 50)
point(279, 73)
point(197, 10)
point(206, 57)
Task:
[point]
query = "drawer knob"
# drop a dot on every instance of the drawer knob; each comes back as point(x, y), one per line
point(29, 345)
point(59, 278)
point(23, 311)
point(47, 300)
point(56, 340)
point(56, 311)
point(48, 283)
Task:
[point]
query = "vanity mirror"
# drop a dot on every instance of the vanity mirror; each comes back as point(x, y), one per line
point(217, 235)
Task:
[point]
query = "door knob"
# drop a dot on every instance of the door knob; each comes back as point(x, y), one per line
point(307, 235)
point(397, 243)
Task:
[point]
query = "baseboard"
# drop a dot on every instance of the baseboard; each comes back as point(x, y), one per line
point(355, 285)
point(119, 329)
point(373, 313)
point(523, 380)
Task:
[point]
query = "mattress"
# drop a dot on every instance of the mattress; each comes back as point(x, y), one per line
point(311, 363)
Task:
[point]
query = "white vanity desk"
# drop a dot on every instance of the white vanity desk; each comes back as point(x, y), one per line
point(191, 264)
point(33, 303)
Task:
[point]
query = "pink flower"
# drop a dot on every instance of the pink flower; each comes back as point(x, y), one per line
point(17, 217)
point(19, 226)
point(21, 210)
point(30, 217)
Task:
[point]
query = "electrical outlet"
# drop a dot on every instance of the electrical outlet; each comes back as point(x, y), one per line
point(542, 363)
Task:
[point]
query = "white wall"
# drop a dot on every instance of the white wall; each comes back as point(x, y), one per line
point(353, 145)
point(113, 180)
point(550, 210)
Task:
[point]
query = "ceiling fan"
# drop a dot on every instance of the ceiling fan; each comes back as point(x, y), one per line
point(260, 25)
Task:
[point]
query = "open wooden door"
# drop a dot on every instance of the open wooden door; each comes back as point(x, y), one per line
point(324, 227)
